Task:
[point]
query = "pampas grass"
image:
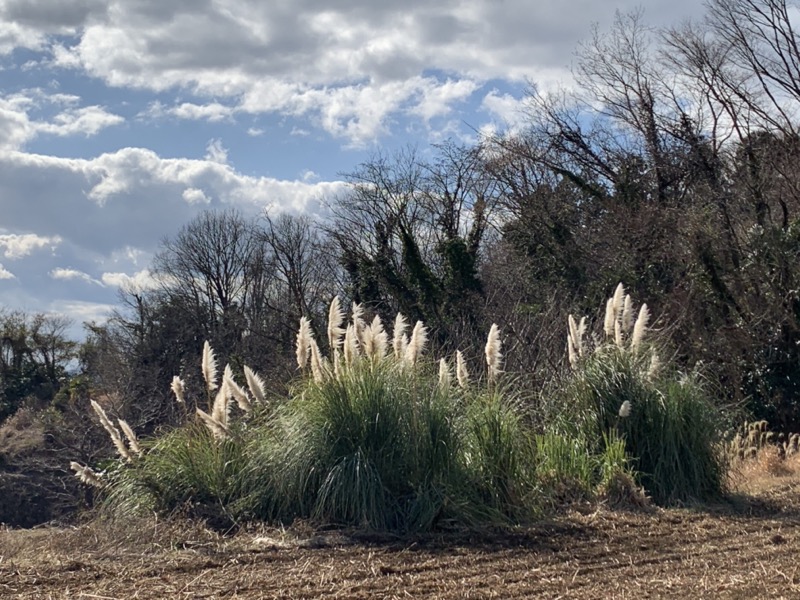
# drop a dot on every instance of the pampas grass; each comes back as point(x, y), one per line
point(399, 339)
point(86, 474)
point(113, 432)
point(640, 327)
point(336, 317)
point(303, 346)
point(209, 366)
point(462, 374)
point(493, 353)
point(178, 387)
point(133, 441)
point(416, 345)
point(256, 385)
point(445, 376)
point(236, 391)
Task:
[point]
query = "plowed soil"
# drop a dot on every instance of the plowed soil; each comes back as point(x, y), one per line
point(747, 547)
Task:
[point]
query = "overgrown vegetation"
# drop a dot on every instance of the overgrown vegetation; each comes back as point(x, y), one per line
point(374, 437)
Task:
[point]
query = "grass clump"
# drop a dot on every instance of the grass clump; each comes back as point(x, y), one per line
point(671, 430)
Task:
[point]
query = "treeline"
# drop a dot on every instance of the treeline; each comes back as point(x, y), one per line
point(671, 166)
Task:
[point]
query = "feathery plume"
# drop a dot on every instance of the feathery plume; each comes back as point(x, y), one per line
point(209, 367)
point(317, 369)
point(113, 432)
point(608, 324)
point(625, 409)
point(640, 327)
point(627, 314)
point(573, 356)
point(237, 391)
point(86, 474)
point(303, 343)
point(256, 385)
point(336, 317)
point(576, 336)
point(462, 374)
point(337, 363)
point(221, 406)
point(133, 441)
point(493, 354)
point(444, 373)
point(178, 388)
point(618, 300)
point(350, 345)
point(380, 340)
point(416, 345)
point(618, 334)
point(217, 429)
point(399, 339)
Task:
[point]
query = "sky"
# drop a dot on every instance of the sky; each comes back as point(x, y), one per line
point(120, 120)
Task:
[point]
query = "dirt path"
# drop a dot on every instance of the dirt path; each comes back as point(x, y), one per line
point(748, 550)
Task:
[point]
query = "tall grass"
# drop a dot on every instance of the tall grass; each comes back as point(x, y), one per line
point(668, 422)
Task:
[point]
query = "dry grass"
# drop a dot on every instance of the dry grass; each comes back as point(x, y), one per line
point(743, 549)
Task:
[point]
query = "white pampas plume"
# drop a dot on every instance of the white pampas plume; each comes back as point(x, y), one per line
point(627, 314)
point(317, 369)
point(444, 373)
point(618, 334)
point(336, 317)
point(655, 367)
point(133, 441)
point(576, 336)
point(380, 340)
point(178, 388)
point(337, 363)
point(416, 345)
point(237, 391)
point(303, 343)
point(221, 406)
point(493, 354)
point(399, 339)
point(209, 367)
point(640, 327)
point(86, 474)
point(608, 324)
point(350, 345)
point(625, 409)
point(113, 432)
point(618, 300)
point(217, 429)
point(256, 385)
point(462, 374)
point(573, 356)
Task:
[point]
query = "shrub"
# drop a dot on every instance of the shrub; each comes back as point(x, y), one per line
point(671, 429)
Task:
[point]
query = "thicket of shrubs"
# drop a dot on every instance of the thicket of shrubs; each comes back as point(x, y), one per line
point(374, 436)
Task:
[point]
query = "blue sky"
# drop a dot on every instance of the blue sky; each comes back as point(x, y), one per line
point(122, 119)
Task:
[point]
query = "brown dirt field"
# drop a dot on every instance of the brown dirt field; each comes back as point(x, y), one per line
point(747, 548)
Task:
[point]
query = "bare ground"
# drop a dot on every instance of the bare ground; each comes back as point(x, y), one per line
point(746, 548)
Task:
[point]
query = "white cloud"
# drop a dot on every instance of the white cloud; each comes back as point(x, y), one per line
point(5, 273)
point(17, 128)
point(68, 274)
point(216, 152)
point(195, 196)
point(82, 311)
point(507, 111)
point(140, 281)
point(20, 245)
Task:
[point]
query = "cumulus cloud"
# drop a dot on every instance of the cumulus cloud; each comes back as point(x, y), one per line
point(19, 245)
point(17, 127)
point(348, 67)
